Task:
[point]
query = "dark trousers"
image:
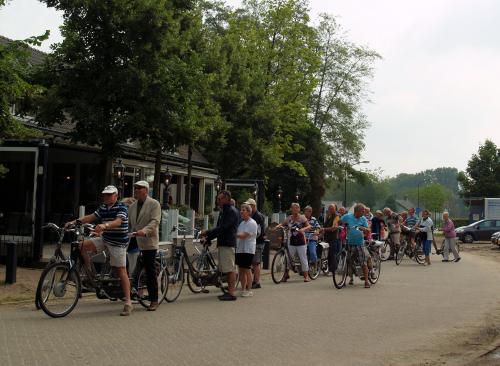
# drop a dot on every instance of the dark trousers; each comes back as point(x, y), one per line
point(149, 262)
point(333, 254)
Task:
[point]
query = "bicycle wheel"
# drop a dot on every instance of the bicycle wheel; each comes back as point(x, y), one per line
point(324, 262)
point(340, 274)
point(279, 266)
point(374, 274)
point(419, 253)
point(175, 271)
point(315, 269)
point(59, 290)
point(385, 251)
point(199, 265)
point(400, 254)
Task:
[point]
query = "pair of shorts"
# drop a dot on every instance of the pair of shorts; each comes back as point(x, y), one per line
point(362, 252)
point(244, 260)
point(257, 257)
point(226, 259)
point(117, 254)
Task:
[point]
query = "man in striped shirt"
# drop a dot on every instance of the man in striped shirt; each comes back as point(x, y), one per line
point(112, 236)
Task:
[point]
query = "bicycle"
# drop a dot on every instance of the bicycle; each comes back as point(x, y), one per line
point(348, 264)
point(282, 261)
point(202, 271)
point(58, 255)
point(413, 252)
point(61, 283)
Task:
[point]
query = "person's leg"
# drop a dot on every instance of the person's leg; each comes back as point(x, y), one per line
point(302, 252)
point(228, 267)
point(149, 260)
point(311, 247)
point(243, 278)
point(446, 251)
point(125, 282)
point(453, 246)
point(257, 259)
point(427, 251)
point(249, 279)
point(118, 260)
point(333, 254)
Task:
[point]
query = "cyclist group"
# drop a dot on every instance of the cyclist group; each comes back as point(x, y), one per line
point(241, 235)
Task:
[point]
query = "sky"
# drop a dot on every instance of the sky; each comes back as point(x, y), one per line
point(434, 93)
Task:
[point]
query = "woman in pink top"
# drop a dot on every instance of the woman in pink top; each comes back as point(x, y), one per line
point(450, 238)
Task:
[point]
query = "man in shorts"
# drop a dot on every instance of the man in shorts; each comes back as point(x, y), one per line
point(261, 237)
point(225, 232)
point(357, 224)
point(112, 236)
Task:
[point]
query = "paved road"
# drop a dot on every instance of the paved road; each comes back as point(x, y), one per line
point(393, 323)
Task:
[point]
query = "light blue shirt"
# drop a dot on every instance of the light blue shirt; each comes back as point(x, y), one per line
point(354, 236)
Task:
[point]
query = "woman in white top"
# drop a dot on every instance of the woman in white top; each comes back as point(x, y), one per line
point(245, 248)
point(425, 226)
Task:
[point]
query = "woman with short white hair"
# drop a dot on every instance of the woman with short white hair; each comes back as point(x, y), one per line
point(245, 248)
point(450, 238)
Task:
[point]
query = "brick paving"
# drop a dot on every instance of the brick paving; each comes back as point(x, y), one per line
point(287, 324)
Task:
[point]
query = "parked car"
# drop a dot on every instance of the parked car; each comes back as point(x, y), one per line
point(478, 231)
point(495, 238)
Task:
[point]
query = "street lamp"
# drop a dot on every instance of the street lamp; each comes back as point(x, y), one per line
point(297, 196)
point(280, 195)
point(345, 180)
point(255, 190)
point(167, 180)
point(119, 169)
point(218, 184)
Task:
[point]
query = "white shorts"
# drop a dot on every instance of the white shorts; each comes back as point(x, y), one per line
point(117, 255)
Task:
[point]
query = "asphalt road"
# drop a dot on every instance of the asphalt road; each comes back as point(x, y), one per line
point(402, 320)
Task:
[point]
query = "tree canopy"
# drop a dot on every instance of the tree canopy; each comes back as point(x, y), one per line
point(482, 176)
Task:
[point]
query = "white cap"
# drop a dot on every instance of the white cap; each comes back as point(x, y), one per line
point(142, 183)
point(251, 201)
point(110, 189)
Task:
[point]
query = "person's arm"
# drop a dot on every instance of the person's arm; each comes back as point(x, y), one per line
point(87, 219)
point(109, 225)
point(152, 225)
point(307, 226)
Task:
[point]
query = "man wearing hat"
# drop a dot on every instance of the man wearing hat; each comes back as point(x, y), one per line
point(112, 236)
point(145, 216)
point(261, 236)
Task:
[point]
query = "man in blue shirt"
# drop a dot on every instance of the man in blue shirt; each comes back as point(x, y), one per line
point(356, 225)
point(112, 236)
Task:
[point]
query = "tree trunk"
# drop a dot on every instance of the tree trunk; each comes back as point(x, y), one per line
point(190, 170)
point(156, 187)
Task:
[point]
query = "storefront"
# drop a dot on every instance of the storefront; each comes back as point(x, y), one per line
point(54, 181)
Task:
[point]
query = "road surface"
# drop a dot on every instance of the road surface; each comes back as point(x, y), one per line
point(402, 320)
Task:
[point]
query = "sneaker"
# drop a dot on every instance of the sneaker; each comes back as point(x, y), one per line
point(457, 259)
point(127, 309)
point(256, 285)
point(246, 294)
point(153, 306)
point(227, 297)
point(445, 260)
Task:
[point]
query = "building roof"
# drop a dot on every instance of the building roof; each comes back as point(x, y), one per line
point(405, 204)
point(36, 57)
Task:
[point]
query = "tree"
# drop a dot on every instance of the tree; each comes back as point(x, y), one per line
point(482, 176)
point(336, 104)
point(120, 72)
point(434, 196)
point(16, 86)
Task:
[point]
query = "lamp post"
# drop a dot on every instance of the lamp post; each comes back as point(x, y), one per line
point(418, 198)
point(280, 195)
point(297, 196)
point(218, 184)
point(119, 169)
point(345, 180)
point(167, 180)
point(255, 190)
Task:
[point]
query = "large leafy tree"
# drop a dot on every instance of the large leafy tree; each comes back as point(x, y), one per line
point(16, 86)
point(336, 104)
point(482, 176)
point(267, 66)
point(122, 71)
